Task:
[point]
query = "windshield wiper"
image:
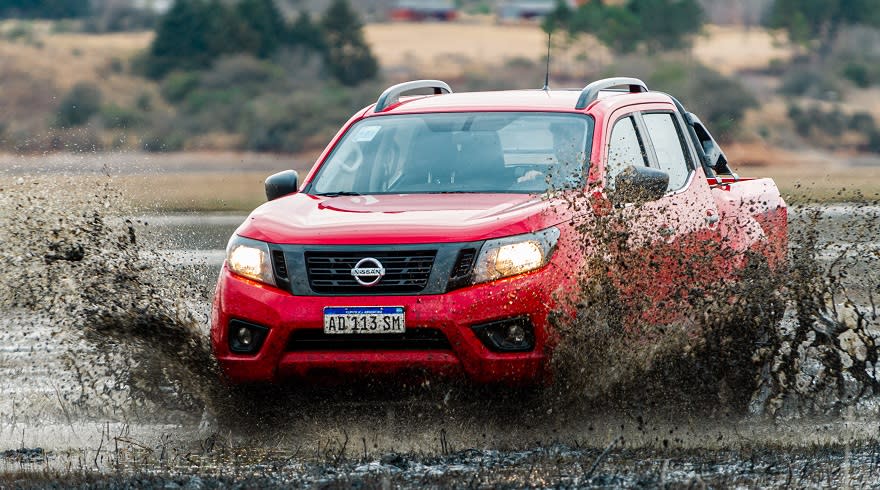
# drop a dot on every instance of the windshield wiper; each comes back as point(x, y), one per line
point(341, 193)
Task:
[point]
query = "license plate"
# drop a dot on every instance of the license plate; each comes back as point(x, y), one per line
point(364, 319)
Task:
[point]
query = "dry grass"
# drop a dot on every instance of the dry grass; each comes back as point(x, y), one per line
point(66, 59)
point(819, 183)
point(214, 191)
point(193, 181)
point(447, 49)
point(443, 49)
point(234, 182)
point(224, 191)
point(731, 49)
point(436, 48)
point(36, 73)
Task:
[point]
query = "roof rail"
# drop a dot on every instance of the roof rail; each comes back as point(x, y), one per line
point(392, 94)
point(591, 91)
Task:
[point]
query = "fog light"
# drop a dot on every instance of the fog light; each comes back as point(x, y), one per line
point(246, 338)
point(516, 334)
point(508, 335)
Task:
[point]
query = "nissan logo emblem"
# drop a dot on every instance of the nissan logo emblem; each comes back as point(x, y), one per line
point(368, 272)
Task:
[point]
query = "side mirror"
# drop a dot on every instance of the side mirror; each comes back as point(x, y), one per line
point(715, 157)
point(640, 185)
point(281, 184)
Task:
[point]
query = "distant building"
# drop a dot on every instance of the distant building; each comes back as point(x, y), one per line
point(417, 10)
point(160, 6)
point(529, 9)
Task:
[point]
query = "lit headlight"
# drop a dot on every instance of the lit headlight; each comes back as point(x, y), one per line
point(250, 258)
point(514, 255)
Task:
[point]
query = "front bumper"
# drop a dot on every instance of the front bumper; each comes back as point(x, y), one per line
point(453, 314)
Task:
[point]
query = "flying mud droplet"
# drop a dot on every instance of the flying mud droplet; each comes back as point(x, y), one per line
point(824, 356)
point(80, 266)
point(74, 261)
point(662, 322)
point(790, 339)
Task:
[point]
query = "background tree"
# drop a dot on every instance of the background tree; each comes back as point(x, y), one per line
point(78, 105)
point(264, 19)
point(667, 24)
point(306, 33)
point(44, 9)
point(229, 32)
point(193, 34)
point(183, 38)
point(816, 23)
point(619, 29)
point(559, 17)
point(656, 24)
point(348, 56)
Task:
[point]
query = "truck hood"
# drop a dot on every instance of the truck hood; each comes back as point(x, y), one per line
point(303, 219)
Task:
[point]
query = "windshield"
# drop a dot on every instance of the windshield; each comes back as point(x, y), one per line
point(486, 152)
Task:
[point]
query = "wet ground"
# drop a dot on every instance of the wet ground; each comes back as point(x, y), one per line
point(105, 381)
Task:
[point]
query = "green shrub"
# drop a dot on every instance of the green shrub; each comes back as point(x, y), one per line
point(64, 26)
point(202, 100)
point(242, 72)
point(140, 64)
point(857, 73)
point(803, 123)
point(178, 86)
point(834, 122)
point(301, 120)
point(808, 82)
point(873, 144)
point(163, 139)
point(144, 102)
point(20, 31)
point(116, 65)
point(817, 122)
point(214, 110)
point(862, 122)
point(720, 101)
point(78, 105)
point(114, 116)
point(116, 17)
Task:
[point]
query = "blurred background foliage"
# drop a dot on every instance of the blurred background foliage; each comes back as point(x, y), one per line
point(283, 75)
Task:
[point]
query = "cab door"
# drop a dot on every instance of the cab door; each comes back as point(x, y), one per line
point(659, 260)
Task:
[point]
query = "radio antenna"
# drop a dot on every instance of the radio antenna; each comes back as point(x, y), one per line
point(547, 75)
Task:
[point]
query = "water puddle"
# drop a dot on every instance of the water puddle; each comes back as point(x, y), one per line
point(103, 342)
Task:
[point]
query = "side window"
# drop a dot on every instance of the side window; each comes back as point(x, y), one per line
point(666, 139)
point(624, 150)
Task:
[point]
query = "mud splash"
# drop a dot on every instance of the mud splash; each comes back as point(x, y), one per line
point(787, 340)
point(75, 267)
point(800, 342)
point(824, 359)
point(687, 347)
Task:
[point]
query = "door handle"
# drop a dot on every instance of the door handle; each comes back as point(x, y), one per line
point(667, 231)
point(712, 219)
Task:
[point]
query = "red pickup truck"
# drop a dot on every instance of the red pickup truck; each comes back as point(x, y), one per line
point(436, 233)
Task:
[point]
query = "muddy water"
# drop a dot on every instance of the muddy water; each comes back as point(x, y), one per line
point(102, 343)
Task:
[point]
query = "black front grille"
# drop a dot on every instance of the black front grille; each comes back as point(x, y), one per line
point(413, 339)
point(405, 271)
